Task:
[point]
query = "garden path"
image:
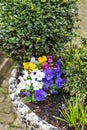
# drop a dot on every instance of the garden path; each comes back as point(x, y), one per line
point(8, 117)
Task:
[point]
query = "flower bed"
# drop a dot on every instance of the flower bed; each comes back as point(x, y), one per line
point(41, 78)
point(32, 121)
point(38, 80)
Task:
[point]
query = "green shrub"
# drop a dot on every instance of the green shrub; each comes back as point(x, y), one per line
point(75, 64)
point(35, 27)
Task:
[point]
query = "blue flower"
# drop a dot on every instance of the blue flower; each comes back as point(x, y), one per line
point(49, 74)
point(63, 106)
point(59, 63)
point(57, 72)
point(39, 95)
point(53, 92)
point(60, 82)
point(45, 88)
point(27, 94)
point(47, 83)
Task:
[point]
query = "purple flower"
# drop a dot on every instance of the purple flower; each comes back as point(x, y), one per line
point(53, 92)
point(60, 82)
point(49, 74)
point(39, 95)
point(45, 88)
point(47, 83)
point(27, 94)
point(49, 59)
point(55, 66)
point(46, 66)
point(57, 72)
point(59, 63)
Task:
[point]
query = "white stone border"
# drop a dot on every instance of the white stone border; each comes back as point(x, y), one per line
point(32, 121)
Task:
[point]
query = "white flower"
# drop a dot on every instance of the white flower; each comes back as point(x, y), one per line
point(25, 74)
point(34, 61)
point(23, 84)
point(33, 74)
point(37, 74)
point(37, 85)
point(40, 75)
point(21, 79)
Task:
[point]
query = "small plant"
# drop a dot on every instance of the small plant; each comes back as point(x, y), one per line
point(75, 63)
point(74, 113)
point(41, 78)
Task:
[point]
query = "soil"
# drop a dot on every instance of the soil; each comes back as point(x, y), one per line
point(49, 108)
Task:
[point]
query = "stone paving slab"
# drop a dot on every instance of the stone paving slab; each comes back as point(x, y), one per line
point(1, 97)
point(4, 127)
point(6, 118)
point(5, 107)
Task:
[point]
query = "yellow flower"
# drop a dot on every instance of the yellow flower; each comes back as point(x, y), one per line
point(42, 59)
point(31, 66)
point(25, 65)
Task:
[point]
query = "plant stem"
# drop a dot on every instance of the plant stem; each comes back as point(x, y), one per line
point(82, 127)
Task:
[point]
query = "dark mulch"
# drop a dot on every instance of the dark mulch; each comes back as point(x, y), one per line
point(50, 107)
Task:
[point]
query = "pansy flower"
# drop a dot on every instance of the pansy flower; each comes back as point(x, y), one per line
point(60, 82)
point(42, 60)
point(49, 74)
point(52, 92)
point(57, 72)
point(59, 63)
point(47, 83)
point(27, 94)
point(46, 66)
point(39, 95)
point(31, 66)
point(49, 59)
point(25, 65)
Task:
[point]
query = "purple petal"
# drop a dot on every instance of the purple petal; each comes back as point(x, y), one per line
point(53, 92)
point(49, 59)
point(49, 74)
point(60, 82)
point(39, 95)
point(27, 94)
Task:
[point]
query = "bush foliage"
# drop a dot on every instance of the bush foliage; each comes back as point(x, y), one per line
point(35, 27)
point(75, 64)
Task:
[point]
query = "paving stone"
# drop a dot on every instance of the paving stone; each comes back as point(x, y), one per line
point(4, 127)
point(16, 128)
point(5, 107)
point(6, 118)
point(4, 84)
point(18, 123)
point(8, 99)
point(4, 90)
point(1, 97)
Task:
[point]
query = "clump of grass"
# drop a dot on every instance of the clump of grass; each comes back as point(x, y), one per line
point(74, 113)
